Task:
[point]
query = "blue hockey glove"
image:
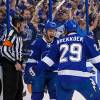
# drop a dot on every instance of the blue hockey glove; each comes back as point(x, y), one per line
point(28, 73)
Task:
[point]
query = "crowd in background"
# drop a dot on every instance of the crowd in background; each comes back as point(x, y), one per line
point(35, 12)
point(36, 15)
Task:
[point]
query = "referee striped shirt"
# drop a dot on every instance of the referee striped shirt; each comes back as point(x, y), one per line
point(12, 46)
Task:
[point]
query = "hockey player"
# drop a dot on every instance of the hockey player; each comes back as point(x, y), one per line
point(72, 51)
point(47, 78)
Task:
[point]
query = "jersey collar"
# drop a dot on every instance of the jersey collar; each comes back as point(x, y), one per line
point(46, 41)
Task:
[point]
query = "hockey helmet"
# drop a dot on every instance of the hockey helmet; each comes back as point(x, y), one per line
point(70, 26)
point(50, 25)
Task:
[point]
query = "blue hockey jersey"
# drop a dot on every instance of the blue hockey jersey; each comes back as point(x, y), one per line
point(40, 49)
point(72, 51)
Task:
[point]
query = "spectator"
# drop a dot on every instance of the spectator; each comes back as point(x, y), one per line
point(97, 34)
point(2, 24)
point(38, 26)
point(60, 20)
point(13, 10)
point(81, 24)
point(2, 27)
point(29, 33)
point(93, 20)
point(2, 3)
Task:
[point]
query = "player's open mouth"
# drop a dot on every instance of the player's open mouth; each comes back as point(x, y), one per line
point(52, 36)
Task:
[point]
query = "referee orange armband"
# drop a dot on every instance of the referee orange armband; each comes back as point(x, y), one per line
point(7, 43)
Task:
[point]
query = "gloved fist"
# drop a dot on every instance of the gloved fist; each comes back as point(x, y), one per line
point(28, 74)
point(31, 72)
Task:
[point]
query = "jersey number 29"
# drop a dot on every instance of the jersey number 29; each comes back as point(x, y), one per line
point(75, 52)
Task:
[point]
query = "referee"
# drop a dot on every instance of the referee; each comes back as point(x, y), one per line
point(12, 60)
